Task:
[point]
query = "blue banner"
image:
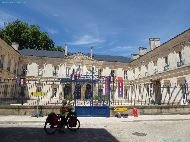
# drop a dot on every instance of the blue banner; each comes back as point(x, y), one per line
point(107, 85)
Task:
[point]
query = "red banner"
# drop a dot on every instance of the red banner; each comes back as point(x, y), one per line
point(120, 87)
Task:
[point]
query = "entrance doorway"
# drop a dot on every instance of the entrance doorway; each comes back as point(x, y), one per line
point(67, 91)
point(78, 91)
point(157, 91)
point(54, 92)
point(88, 91)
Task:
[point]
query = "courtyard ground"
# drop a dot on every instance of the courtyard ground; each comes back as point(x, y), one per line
point(145, 128)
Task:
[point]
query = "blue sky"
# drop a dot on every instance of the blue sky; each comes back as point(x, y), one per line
point(112, 27)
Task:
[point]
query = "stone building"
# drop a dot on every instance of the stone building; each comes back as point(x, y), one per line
point(9, 68)
point(161, 75)
point(158, 76)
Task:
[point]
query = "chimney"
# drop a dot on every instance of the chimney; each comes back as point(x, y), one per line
point(134, 56)
point(15, 45)
point(65, 49)
point(91, 51)
point(142, 51)
point(154, 42)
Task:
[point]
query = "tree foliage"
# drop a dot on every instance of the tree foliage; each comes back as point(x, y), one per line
point(28, 36)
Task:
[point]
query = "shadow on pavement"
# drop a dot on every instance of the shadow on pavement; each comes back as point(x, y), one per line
point(27, 134)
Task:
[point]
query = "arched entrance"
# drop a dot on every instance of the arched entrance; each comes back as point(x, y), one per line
point(78, 91)
point(88, 91)
point(67, 91)
point(157, 91)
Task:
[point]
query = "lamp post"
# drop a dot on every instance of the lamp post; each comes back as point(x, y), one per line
point(112, 91)
point(92, 81)
point(92, 85)
point(113, 82)
point(100, 82)
point(38, 100)
point(40, 74)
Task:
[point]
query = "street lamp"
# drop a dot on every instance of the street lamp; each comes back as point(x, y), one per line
point(113, 81)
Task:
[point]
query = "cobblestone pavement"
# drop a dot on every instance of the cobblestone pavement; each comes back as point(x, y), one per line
point(171, 128)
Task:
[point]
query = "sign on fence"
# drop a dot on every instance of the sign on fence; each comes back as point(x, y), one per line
point(38, 94)
point(120, 109)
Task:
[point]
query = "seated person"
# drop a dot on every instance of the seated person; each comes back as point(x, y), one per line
point(64, 112)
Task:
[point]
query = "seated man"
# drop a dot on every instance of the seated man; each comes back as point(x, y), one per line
point(66, 109)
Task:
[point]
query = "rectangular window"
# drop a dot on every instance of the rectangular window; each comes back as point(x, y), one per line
point(54, 71)
point(168, 89)
point(39, 89)
point(166, 67)
point(139, 68)
point(67, 71)
point(180, 56)
point(113, 73)
point(146, 67)
point(180, 61)
point(125, 74)
point(39, 72)
point(155, 63)
point(166, 60)
point(54, 92)
point(146, 73)
point(100, 72)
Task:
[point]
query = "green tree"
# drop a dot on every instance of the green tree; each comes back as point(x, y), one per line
point(28, 36)
point(60, 48)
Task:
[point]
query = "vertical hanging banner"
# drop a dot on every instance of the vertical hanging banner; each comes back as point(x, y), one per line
point(120, 87)
point(78, 71)
point(107, 85)
point(23, 81)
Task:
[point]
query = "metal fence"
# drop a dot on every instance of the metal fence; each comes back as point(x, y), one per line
point(167, 95)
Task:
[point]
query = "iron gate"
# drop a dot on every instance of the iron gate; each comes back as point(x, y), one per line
point(86, 104)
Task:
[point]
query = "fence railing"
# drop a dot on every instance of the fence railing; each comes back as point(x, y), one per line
point(163, 95)
point(169, 94)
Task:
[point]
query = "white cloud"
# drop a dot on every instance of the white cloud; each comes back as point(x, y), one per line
point(87, 39)
point(51, 30)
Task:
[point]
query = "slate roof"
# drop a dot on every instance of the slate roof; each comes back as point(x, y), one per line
point(41, 53)
point(110, 58)
point(58, 54)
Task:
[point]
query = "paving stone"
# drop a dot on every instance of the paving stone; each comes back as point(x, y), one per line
point(167, 128)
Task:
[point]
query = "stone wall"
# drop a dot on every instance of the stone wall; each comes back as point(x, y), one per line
point(27, 110)
point(143, 110)
point(156, 110)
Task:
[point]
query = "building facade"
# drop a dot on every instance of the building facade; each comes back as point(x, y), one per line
point(160, 76)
